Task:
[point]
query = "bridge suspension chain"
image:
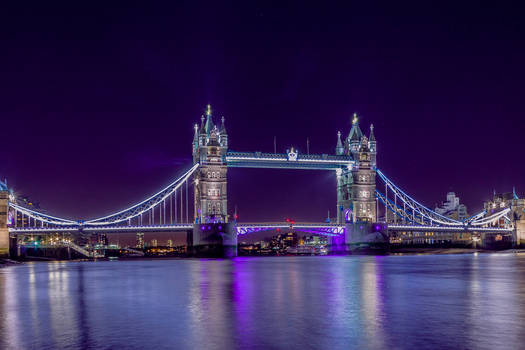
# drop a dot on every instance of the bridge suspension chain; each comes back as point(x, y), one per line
point(149, 204)
point(40, 217)
point(415, 212)
point(416, 208)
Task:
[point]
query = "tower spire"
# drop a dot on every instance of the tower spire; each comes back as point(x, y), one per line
point(196, 135)
point(209, 121)
point(372, 137)
point(355, 132)
point(202, 125)
point(339, 149)
point(223, 126)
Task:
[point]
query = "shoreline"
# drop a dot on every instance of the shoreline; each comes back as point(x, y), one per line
point(398, 252)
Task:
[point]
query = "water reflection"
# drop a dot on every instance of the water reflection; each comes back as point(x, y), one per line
point(422, 302)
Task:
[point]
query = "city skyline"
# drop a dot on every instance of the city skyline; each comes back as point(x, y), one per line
point(113, 138)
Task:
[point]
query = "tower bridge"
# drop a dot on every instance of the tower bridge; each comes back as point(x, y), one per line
point(363, 191)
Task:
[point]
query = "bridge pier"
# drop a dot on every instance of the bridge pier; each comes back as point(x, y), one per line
point(213, 240)
point(4, 231)
point(366, 237)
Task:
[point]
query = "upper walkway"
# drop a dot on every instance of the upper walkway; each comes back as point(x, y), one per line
point(290, 160)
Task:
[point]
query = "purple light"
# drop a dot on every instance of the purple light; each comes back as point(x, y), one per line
point(220, 227)
point(202, 228)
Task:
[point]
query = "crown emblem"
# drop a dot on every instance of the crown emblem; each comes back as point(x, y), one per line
point(292, 154)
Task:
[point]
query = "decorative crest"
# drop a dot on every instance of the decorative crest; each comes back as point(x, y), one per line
point(292, 154)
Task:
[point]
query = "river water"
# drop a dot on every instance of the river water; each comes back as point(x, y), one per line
point(353, 302)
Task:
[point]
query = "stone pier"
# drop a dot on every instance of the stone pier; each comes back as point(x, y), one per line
point(213, 240)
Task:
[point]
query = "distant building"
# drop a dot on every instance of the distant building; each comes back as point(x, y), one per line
point(102, 239)
point(451, 208)
point(140, 241)
point(503, 201)
point(154, 243)
point(170, 243)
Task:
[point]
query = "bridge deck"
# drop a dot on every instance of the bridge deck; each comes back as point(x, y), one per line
point(105, 229)
point(243, 228)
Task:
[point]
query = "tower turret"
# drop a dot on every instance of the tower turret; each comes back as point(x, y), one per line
point(195, 141)
point(339, 149)
point(372, 146)
point(223, 134)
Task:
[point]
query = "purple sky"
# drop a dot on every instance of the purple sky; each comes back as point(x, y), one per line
point(97, 102)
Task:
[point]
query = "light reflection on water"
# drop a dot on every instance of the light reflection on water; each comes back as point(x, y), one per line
point(447, 301)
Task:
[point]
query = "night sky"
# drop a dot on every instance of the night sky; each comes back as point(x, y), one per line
point(97, 102)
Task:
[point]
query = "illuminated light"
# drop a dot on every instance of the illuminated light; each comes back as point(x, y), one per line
point(208, 110)
point(355, 119)
point(220, 227)
point(202, 228)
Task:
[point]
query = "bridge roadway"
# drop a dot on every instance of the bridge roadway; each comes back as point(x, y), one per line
point(246, 228)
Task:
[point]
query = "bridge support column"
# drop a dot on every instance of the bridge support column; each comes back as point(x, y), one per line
point(213, 240)
point(366, 237)
point(4, 231)
point(520, 233)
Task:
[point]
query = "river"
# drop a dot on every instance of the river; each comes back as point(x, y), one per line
point(471, 301)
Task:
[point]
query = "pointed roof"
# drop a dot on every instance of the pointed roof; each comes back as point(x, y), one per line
point(355, 133)
point(209, 121)
point(372, 137)
point(223, 126)
point(203, 131)
point(196, 135)
point(339, 143)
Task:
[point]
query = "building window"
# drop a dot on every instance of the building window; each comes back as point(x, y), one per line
point(214, 192)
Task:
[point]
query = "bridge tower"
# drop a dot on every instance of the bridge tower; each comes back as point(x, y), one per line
point(356, 186)
point(4, 213)
point(212, 234)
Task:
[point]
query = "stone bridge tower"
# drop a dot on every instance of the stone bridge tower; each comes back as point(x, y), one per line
point(213, 234)
point(4, 216)
point(210, 145)
point(356, 186)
